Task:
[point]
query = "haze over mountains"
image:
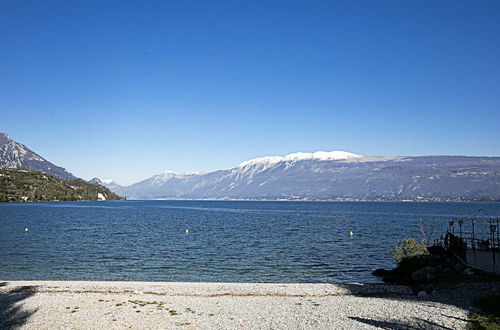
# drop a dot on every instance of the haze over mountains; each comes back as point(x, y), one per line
point(335, 175)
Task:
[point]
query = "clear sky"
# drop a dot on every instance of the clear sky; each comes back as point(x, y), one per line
point(128, 89)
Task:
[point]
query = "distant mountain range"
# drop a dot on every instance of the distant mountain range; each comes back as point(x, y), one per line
point(17, 155)
point(110, 184)
point(332, 175)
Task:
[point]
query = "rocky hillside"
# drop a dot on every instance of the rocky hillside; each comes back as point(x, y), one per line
point(17, 185)
point(16, 155)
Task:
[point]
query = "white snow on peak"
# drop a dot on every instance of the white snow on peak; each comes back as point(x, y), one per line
point(108, 181)
point(318, 155)
point(193, 173)
point(165, 175)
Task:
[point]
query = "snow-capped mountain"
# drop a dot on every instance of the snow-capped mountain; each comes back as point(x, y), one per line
point(17, 155)
point(108, 183)
point(95, 181)
point(101, 182)
point(319, 155)
point(332, 175)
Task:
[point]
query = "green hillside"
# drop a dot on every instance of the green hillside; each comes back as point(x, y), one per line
point(18, 185)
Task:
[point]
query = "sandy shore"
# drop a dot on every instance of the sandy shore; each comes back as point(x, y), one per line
point(160, 305)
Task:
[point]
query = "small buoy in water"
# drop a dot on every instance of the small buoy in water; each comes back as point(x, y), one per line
point(187, 231)
point(350, 233)
point(26, 230)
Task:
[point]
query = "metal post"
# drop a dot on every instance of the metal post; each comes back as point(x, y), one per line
point(498, 238)
point(497, 242)
point(473, 244)
point(493, 228)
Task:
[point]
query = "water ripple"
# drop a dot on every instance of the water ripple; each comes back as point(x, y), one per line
point(227, 241)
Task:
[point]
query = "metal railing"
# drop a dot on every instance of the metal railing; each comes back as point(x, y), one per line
point(480, 234)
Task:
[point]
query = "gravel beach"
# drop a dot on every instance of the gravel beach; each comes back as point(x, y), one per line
point(160, 305)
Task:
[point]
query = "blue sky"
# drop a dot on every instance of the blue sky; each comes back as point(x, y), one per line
point(128, 89)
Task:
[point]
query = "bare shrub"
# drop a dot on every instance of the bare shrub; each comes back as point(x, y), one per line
point(409, 247)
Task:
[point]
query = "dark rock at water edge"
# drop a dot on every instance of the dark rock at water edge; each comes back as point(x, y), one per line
point(427, 272)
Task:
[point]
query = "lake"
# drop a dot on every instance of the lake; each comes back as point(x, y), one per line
point(228, 241)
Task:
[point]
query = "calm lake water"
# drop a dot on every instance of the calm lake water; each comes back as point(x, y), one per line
point(227, 241)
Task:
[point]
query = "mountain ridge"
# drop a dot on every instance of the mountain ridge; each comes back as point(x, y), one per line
point(321, 175)
point(346, 177)
point(16, 155)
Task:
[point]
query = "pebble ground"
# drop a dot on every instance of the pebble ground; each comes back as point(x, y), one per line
point(164, 305)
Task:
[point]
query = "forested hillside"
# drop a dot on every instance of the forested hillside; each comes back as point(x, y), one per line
point(18, 185)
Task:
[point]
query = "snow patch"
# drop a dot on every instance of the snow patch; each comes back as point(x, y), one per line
point(166, 175)
point(318, 155)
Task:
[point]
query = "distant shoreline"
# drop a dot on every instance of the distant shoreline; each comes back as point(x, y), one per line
point(273, 200)
point(317, 200)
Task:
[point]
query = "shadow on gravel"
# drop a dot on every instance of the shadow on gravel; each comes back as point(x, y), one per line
point(416, 325)
point(459, 295)
point(12, 315)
